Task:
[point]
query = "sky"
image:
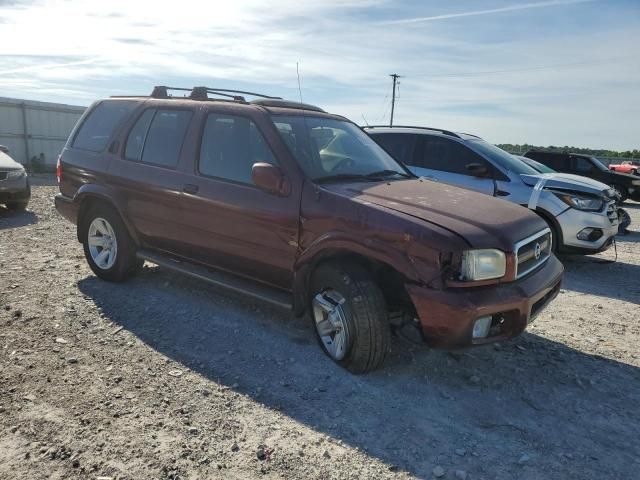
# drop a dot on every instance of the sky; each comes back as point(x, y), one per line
point(544, 72)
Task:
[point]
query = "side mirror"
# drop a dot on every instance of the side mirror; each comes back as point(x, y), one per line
point(477, 170)
point(270, 178)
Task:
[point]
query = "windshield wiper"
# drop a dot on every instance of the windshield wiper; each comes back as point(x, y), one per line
point(386, 173)
point(341, 176)
point(370, 177)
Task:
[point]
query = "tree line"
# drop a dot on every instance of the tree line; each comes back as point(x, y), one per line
point(521, 149)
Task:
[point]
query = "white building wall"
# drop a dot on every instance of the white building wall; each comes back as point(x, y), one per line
point(47, 127)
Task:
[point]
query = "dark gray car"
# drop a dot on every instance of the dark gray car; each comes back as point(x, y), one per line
point(15, 191)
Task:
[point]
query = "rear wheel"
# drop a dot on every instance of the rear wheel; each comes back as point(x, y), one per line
point(350, 316)
point(108, 247)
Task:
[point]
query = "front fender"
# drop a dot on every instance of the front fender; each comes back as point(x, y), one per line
point(331, 243)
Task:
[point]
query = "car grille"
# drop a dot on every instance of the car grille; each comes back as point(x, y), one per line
point(532, 252)
point(3, 175)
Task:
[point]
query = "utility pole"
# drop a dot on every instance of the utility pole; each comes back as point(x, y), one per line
point(395, 77)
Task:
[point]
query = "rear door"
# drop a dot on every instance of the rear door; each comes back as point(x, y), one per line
point(147, 177)
point(229, 223)
point(444, 160)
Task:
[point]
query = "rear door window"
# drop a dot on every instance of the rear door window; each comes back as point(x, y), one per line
point(400, 146)
point(98, 127)
point(447, 156)
point(137, 136)
point(157, 137)
point(230, 146)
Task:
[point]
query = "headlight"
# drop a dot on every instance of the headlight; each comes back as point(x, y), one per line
point(588, 204)
point(483, 264)
point(16, 174)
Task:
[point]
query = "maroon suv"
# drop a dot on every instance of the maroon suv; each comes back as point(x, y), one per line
point(284, 202)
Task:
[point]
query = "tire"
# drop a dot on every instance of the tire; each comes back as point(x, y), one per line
point(103, 221)
point(18, 206)
point(359, 305)
point(555, 236)
point(622, 191)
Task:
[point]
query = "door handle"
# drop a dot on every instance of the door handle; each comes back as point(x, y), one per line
point(190, 188)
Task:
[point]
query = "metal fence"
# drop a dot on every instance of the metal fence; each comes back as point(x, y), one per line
point(35, 132)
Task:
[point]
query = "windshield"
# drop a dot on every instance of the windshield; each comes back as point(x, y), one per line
point(541, 167)
point(599, 165)
point(335, 149)
point(502, 158)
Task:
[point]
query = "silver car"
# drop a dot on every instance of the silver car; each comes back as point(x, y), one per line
point(580, 212)
point(15, 191)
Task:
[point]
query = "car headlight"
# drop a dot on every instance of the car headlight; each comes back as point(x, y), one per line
point(16, 174)
point(483, 264)
point(588, 204)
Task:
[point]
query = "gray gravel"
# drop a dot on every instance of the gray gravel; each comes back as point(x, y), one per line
point(165, 377)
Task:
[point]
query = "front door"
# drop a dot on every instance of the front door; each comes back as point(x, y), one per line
point(446, 161)
point(229, 222)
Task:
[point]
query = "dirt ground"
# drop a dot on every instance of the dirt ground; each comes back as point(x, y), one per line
point(166, 377)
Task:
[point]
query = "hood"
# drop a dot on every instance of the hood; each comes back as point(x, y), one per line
point(568, 182)
point(483, 221)
point(8, 163)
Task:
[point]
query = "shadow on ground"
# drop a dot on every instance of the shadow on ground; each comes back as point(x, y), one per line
point(12, 219)
point(574, 414)
point(603, 278)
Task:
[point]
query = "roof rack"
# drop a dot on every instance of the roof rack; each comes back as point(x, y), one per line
point(470, 135)
point(444, 132)
point(278, 102)
point(202, 93)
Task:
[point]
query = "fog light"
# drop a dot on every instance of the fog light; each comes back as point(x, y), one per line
point(481, 327)
point(590, 234)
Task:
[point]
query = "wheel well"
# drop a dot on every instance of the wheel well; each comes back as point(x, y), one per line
point(555, 227)
point(391, 282)
point(87, 203)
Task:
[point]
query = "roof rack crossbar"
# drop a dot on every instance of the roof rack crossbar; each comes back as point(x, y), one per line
point(445, 132)
point(253, 94)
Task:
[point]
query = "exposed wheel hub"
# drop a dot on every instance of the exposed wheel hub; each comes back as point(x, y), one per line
point(331, 323)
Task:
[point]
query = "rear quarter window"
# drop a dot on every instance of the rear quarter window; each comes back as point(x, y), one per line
point(98, 127)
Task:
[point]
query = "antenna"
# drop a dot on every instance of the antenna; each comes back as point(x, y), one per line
point(299, 87)
point(365, 120)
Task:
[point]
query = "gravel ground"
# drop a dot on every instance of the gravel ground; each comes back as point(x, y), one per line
point(166, 377)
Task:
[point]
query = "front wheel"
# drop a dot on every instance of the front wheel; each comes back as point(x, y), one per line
point(621, 192)
point(108, 247)
point(350, 316)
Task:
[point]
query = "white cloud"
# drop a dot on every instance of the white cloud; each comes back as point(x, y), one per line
point(77, 51)
point(474, 13)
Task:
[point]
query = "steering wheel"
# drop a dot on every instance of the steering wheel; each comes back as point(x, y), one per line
point(344, 163)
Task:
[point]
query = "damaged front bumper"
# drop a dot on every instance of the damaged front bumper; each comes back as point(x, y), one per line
point(447, 317)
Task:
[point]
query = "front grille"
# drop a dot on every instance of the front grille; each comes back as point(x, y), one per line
point(3, 175)
point(532, 252)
